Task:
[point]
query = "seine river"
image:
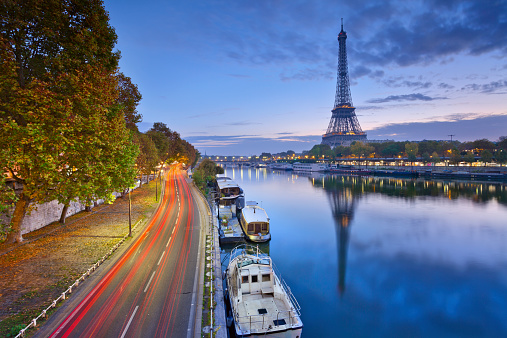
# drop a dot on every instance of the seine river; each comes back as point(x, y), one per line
point(387, 257)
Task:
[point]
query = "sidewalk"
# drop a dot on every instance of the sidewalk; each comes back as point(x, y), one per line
point(50, 259)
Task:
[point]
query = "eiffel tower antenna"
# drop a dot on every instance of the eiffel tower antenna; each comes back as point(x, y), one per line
point(344, 127)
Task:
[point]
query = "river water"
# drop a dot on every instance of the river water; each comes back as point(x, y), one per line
point(387, 257)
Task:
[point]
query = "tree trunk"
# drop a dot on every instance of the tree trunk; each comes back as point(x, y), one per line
point(64, 213)
point(17, 219)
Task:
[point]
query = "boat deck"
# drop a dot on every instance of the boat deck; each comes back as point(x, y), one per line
point(261, 312)
point(231, 233)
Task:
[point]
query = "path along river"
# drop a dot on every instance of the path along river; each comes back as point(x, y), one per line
point(387, 257)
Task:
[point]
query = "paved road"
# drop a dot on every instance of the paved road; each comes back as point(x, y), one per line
point(148, 291)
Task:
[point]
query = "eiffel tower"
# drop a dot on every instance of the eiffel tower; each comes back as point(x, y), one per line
point(344, 127)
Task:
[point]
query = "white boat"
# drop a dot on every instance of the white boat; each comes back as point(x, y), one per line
point(255, 222)
point(282, 166)
point(261, 302)
point(310, 167)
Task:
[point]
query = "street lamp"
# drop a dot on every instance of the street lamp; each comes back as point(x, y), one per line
point(130, 210)
point(130, 215)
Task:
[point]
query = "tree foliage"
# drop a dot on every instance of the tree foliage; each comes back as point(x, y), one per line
point(412, 150)
point(205, 173)
point(170, 146)
point(63, 133)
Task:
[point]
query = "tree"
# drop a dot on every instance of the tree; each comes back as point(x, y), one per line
point(128, 99)
point(411, 149)
point(148, 158)
point(484, 144)
point(7, 200)
point(321, 150)
point(501, 156)
point(486, 156)
point(266, 156)
point(469, 157)
point(62, 135)
point(206, 172)
point(341, 151)
point(455, 156)
point(361, 149)
point(435, 158)
point(426, 157)
point(170, 145)
point(502, 143)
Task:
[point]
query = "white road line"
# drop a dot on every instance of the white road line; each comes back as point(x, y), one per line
point(163, 253)
point(173, 230)
point(130, 321)
point(147, 285)
point(168, 241)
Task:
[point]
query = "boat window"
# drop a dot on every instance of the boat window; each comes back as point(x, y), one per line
point(254, 279)
point(264, 227)
point(265, 278)
point(245, 263)
point(244, 279)
point(257, 228)
point(250, 227)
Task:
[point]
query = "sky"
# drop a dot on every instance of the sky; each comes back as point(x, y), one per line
point(239, 77)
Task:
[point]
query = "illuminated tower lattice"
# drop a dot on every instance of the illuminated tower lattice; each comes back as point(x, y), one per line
point(344, 127)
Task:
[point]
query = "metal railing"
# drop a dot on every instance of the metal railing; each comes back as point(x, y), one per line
point(212, 254)
point(63, 296)
point(291, 317)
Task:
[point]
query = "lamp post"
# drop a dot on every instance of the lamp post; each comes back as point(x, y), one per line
point(130, 215)
point(156, 189)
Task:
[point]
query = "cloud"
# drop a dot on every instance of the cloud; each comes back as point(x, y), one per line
point(362, 70)
point(466, 127)
point(400, 82)
point(438, 29)
point(242, 123)
point(445, 86)
point(488, 87)
point(408, 97)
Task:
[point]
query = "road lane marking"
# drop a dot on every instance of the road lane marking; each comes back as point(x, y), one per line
point(147, 285)
point(130, 321)
point(173, 230)
point(163, 253)
point(168, 241)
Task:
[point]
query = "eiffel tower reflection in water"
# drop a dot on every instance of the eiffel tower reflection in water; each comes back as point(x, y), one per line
point(342, 201)
point(344, 193)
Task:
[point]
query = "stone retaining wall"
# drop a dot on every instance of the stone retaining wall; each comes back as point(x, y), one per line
point(40, 215)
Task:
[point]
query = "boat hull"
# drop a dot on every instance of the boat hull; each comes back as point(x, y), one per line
point(290, 333)
point(257, 237)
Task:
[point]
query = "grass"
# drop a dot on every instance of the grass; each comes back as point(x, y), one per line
point(37, 272)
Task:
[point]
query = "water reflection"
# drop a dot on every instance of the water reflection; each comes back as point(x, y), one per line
point(411, 188)
point(414, 258)
point(344, 191)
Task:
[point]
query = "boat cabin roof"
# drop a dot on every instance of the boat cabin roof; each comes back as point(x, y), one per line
point(222, 177)
point(255, 260)
point(254, 213)
point(227, 184)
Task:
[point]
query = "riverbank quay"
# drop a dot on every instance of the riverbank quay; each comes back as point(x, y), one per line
point(450, 172)
point(36, 272)
point(210, 319)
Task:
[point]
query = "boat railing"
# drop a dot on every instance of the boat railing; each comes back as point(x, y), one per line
point(261, 322)
point(249, 249)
